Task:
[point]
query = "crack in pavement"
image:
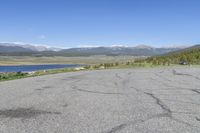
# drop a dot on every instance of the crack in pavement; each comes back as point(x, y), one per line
point(176, 73)
point(166, 109)
point(65, 105)
point(190, 113)
point(96, 92)
point(129, 73)
point(124, 82)
point(198, 119)
point(180, 101)
point(161, 72)
point(44, 88)
point(184, 74)
point(47, 87)
point(196, 91)
point(167, 113)
point(76, 76)
point(124, 125)
point(117, 128)
point(117, 75)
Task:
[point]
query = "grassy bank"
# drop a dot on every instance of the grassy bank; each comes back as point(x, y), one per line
point(19, 75)
point(116, 65)
point(93, 62)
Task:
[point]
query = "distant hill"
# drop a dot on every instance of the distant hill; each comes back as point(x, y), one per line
point(190, 55)
point(8, 49)
point(12, 49)
point(114, 51)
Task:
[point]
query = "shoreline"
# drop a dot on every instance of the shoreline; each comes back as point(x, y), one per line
point(34, 64)
point(15, 75)
point(35, 68)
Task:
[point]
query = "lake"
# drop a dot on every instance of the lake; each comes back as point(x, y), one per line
point(31, 68)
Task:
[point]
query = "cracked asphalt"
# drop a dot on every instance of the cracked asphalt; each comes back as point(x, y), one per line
point(142, 100)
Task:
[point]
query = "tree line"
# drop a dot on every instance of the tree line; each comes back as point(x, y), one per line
point(192, 56)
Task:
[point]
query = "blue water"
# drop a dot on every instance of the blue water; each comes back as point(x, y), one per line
point(30, 68)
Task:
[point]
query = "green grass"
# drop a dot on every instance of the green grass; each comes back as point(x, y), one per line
point(19, 75)
point(116, 65)
point(11, 76)
point(93, 61)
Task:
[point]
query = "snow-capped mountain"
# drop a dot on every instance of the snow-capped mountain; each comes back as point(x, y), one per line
point(27, 47)
point(17, 49)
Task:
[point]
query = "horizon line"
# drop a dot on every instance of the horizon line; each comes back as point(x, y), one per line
point(95, 46)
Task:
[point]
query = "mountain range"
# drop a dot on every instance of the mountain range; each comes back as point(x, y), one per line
point(14, 49)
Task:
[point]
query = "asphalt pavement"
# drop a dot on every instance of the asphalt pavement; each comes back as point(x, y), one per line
point(140, 100)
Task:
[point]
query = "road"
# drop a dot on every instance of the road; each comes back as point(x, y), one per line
point(151, 100)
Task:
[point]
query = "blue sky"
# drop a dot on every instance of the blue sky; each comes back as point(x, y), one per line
point(72, 23)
